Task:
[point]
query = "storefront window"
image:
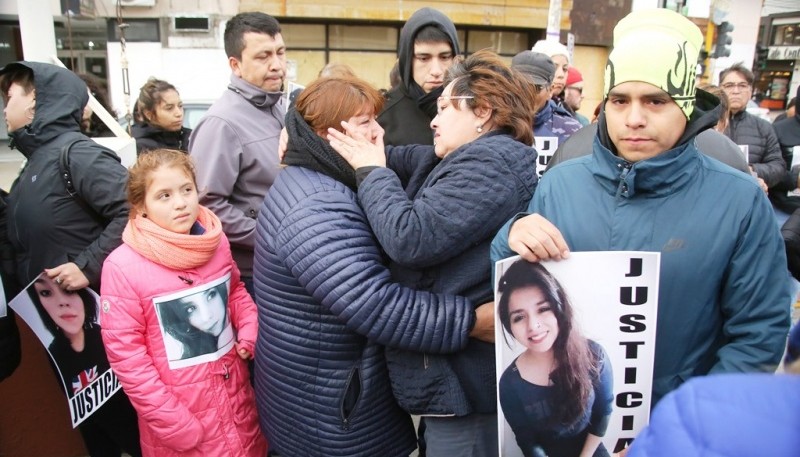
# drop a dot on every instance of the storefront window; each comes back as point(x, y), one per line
point(786, 35)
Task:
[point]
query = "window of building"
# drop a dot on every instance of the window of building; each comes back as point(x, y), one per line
point(138, 30)
point(786, 35)
point(371, 50)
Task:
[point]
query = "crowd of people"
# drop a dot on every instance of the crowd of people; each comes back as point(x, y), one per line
point(300, 280)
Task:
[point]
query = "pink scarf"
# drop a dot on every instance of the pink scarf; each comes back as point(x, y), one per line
point(177, 251)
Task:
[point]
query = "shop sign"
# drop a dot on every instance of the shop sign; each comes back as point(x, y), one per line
point(784, 52)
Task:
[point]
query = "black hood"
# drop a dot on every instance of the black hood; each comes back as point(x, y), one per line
point(405, 54)
point(705, 116)
point(60, 98)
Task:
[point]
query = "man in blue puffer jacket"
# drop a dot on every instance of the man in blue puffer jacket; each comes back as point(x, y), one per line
point(724, 291)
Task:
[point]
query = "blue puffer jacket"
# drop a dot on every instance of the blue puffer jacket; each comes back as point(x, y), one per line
point(326, 307)
point(437, 231)
point(724, 295)
point(741, 415)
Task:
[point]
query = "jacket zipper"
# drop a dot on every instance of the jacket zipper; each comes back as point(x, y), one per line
point(622, 188)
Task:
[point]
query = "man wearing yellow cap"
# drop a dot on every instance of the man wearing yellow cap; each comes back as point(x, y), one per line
point(724, 292)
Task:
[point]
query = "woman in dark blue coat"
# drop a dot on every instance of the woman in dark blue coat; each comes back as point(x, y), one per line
point(435, 210)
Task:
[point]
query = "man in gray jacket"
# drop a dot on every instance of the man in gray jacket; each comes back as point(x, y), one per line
point(235, 146)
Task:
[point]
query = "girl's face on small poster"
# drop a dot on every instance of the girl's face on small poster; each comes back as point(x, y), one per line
point(206, 311)
point(64, 307)
point(533, 322)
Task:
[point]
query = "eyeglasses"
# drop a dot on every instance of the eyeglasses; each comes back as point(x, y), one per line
point(740, 86)
point(439, 100)
point(541, 87)
point(579, 89)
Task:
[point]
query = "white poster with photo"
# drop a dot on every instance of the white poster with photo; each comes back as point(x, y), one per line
point(68, 325)
point(195, 323)
point(575, 342)
point(292, 91)
point(546, 146)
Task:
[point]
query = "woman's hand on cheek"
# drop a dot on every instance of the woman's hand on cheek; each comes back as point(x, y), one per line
point(356, 149)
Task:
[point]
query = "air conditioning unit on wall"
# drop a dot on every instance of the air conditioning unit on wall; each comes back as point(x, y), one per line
point(147, 3)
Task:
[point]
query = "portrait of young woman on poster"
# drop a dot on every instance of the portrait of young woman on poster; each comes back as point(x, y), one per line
point(556, 395)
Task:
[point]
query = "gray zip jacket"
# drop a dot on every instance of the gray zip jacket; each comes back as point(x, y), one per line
point(235, 150)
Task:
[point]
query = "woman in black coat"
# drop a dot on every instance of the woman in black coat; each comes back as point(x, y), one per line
point(159, 122)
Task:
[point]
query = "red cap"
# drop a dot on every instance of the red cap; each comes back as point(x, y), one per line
point(573, 76)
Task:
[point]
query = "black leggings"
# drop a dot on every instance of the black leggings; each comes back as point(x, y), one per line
point(112, 429)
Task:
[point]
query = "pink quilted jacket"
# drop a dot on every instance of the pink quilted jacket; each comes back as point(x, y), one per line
point(207, 409)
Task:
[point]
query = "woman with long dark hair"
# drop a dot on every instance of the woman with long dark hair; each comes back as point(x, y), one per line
point(159, 122)
point(557, 394)
point(71, 317)
point(198, 321)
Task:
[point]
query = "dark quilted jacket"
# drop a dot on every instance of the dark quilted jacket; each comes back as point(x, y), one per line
point(763, 148)
point(326, 307)
point(438, 237)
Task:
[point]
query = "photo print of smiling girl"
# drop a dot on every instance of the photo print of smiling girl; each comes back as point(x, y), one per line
point(195, 325)
point(557, 394)
point(71, 318)
point(575, 352)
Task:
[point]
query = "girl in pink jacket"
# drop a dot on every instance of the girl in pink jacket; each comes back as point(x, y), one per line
point(178, 324)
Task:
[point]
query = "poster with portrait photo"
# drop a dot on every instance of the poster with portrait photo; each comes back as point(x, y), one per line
point(67, 323)
point(195, 323)
point(575, 343)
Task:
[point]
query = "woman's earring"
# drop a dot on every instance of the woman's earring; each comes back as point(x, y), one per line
point(479, 129)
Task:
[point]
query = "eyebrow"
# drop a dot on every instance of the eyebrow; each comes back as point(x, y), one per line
point(653, 95)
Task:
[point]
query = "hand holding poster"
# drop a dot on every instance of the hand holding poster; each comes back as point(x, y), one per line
point(575, 344)
point(67, 323)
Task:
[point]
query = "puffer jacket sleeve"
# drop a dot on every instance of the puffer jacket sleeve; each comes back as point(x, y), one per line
point(755, 295)
point(464, 206)
point(409, 163)
point(244, 314)
point(327, 244)
point(100, 179)
point(771, 168)
point(124, 336)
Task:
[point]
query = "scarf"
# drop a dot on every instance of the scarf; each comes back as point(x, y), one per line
point(307, 149)
point(177, 251)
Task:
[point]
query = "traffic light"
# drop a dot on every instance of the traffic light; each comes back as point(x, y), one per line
point(702, 56)
point(761, 56)
point(724, 40)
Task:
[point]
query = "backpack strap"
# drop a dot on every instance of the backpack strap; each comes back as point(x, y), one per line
point(66, 175)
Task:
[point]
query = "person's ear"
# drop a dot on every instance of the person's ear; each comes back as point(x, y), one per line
point(483, 113)
point(236, 66)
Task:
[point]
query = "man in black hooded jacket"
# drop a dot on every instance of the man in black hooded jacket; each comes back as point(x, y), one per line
point(428, 45)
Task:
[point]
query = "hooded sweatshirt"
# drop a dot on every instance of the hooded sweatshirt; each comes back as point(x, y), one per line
point(46, 226)
point(408, 112)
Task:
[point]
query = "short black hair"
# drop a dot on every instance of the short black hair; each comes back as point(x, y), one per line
point(432, 34)
point(243, 23)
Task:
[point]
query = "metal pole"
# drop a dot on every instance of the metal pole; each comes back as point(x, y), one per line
point(37, 30)
point(554, 21)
